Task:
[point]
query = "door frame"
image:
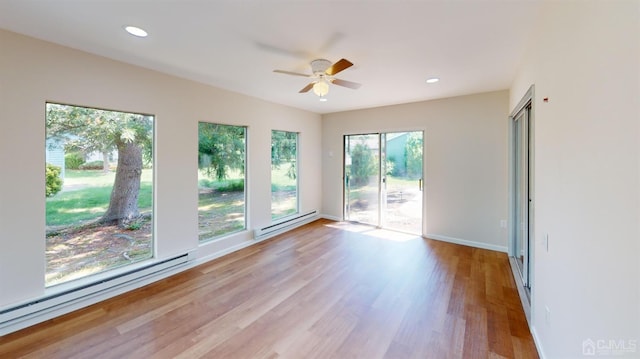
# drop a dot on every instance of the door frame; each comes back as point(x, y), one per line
point(381, 176)
point(525, 285)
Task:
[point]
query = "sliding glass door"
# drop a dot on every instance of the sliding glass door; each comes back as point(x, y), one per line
point(521, 192)
point(383, 180)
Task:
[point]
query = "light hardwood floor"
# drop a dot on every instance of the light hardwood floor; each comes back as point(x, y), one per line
point(325, 290)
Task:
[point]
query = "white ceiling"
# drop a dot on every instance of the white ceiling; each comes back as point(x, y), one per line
point(472, 45)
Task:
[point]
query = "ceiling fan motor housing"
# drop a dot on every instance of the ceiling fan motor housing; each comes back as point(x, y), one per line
point(319, 66)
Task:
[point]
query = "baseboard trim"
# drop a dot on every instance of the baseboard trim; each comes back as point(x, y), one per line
point(536, 341)
point(94, 298)
point(331, 218)
point(86, 299)
point(223, 252)
point(468, 243)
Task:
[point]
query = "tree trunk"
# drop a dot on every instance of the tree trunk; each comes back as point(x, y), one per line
point(105, 161)
point(123, 205)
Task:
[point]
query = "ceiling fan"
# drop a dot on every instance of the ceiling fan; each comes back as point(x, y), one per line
point(323, 73)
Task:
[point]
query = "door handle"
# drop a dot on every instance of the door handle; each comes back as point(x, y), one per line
point(420, 184)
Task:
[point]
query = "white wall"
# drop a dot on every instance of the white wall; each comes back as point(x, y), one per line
point(33, 72)
point(585, 58)
point(465, 162)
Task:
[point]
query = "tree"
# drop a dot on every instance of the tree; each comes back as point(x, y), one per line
point(284, 150)
point(363, 164)
point(413, 155)
point(220, 149)
point(100, 130)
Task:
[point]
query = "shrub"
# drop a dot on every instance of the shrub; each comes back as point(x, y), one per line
point(232, 186)
point(53, 180)
point(73, 160)
point(236, 185)
point(206, 183)
point(93, 165)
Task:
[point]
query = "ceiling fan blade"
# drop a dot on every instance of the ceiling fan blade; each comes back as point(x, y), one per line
point(291, 73)
point(282, 51)
point(338, 66)
point(307, 88)
point(349, 84)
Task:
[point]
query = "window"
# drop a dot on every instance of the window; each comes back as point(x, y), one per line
point(221, 177)
point(284, 174)
point(99, 187)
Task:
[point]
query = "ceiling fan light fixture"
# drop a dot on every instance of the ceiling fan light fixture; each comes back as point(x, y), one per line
point(321, 88)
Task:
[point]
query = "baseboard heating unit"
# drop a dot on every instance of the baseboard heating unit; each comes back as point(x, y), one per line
point(280, 227)
point(29, 313)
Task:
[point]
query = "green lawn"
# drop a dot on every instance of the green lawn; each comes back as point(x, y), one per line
point(280, 181)
point(283, 192)
point(221, 206)
point(220, 214)
point(85, 196)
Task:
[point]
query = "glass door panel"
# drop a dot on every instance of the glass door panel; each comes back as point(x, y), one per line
point(521, 193)
point(402, 182)
point(361, 178)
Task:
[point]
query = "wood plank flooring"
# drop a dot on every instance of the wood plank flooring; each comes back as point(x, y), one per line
point(325, 290)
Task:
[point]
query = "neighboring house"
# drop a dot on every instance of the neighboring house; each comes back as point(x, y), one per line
point(97, 156)
point(397, 151)
point(54, 154)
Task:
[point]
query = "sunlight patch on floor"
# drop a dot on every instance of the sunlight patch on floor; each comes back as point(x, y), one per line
point(375, 232)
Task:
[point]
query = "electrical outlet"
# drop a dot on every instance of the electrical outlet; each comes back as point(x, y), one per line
point(503, 223)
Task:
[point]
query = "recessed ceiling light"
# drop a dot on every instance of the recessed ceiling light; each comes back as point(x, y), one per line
point(135, 31)
point(433, 80)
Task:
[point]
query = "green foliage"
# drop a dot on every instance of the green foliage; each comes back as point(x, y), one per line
point(276, 187)
point(207, 183)
point(390, 167)
point(232, 186)
point(284, 150)
point(363, 164)
point(53, 180)
point(221, 149)
point(73, 160)
point(134, 226)
point(93, 165)
point(413, 155)
point(93, 130)
point(235, 185)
